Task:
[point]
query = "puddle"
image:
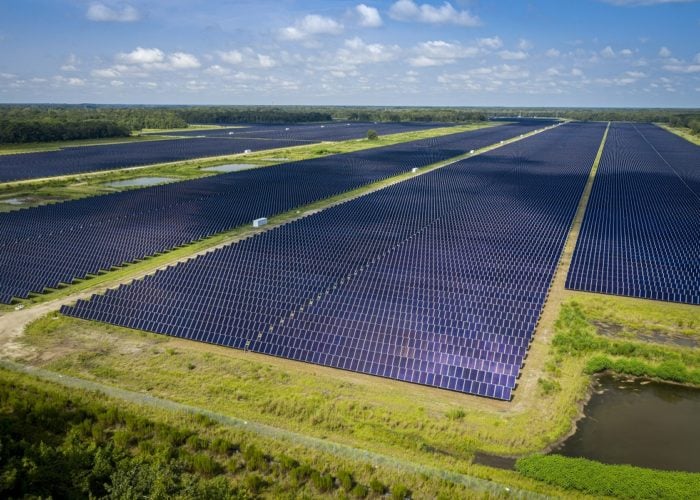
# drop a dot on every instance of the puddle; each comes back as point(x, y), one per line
point(233, 167)
point(496, 461)
point(140, 181)
point(639, 422)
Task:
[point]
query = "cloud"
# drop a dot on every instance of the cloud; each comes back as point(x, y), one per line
point(607, 52)
point(664, 52)
point(493, 42)
point(265, 61)
point(309, 26)
point(682, 68)
point(356, 51)
point(100, 12)
point(71, 63)
point(626, 52)
point(439, 53)
point(510, 55)
point(408, 10)
point(72, 82)
point(183, 60)
point(552, 53)
point(576, 72)
point(231, 57)
point(524, 44)
point(369, 16)
point(141, 56)
point(637, 3)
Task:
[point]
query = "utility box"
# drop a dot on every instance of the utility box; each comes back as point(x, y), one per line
point(247, 151)
point(414, 170)
point(260, 222)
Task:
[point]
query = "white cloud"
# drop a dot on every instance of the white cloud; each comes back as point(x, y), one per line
point(102, 13)
point(311, 25)
point(105, 73)
point(141, 56)
point(183, 60)
point(664, 52)
point(116, 83)
point(231, 57)
point(524, 44)
point(510, 55)
point(552, 53)
point(625, 52)
point(682, 68)
point(493, 42)
point(576, 72)
point(217, 70)
point(356, 51)
point(71, 63)
point(73, 82)
point(635, 74)
point(265, 61)
point(369, 16)
point(438, 53)
point(408, 10)
point(607, 52)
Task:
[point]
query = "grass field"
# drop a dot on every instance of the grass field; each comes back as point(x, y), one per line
point(38, 147)
point(683, 132)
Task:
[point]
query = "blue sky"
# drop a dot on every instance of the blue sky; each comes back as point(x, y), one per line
point(641, 53)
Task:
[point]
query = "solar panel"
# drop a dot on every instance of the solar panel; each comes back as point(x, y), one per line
point(44, 246)
point(641, 232)
point(438, 280)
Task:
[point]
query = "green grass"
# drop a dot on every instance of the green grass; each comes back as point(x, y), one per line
point(619, 481)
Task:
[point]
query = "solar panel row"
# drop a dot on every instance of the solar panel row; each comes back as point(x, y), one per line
point(641, 232)
point(438, 280)
point(45, 246)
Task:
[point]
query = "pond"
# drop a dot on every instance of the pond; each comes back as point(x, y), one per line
point(233, 167)
point(140, 181)
point(639, 422)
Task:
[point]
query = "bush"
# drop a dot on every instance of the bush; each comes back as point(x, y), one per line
point(224, 447)
point(377, 486)
point(372, 135)
point(623, 481)
point(287, 463)
point(322, 482)
point(360, 491)
point(345, 479)
point(255, 484)
point(455, 414)
point(400, 492)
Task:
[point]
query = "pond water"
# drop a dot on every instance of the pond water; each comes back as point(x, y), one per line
point(233, 167)
point(140, 181)
point(638, 422)
point(15, 201)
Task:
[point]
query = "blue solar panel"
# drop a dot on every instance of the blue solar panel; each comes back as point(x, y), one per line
point(44, 246)
point(438, 280)
point(72, 160)
point(641, 232)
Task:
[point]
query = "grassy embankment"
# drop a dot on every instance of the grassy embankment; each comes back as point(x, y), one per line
point(39, 192)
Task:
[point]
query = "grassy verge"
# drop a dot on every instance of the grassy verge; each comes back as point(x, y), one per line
point(683, 132)
point(619, 481)
point(83, 185)
point(66, 443)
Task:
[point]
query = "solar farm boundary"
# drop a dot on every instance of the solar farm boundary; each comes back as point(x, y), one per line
point(442, 131)
point(276, 433)
point(542, 336)
point(128, 272)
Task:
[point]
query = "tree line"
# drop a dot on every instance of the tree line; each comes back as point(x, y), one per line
point(42, 123)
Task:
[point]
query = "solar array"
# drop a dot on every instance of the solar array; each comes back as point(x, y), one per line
point(44, 246)
point(641, 231)
point(437, 280)
point(218, 142)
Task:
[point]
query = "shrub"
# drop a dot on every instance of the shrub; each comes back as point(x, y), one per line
point(594, 478)
point(455, 414)
point(360, 491)
point(322, 482)
point(400, 492)
point(345, 479)
point(255, 484)
point(377, 486)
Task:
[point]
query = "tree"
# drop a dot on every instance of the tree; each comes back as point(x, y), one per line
point(372, 135)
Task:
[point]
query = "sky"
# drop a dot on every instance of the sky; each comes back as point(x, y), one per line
point(588, 53)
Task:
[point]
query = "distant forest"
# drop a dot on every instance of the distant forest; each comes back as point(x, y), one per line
point(21, 123)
